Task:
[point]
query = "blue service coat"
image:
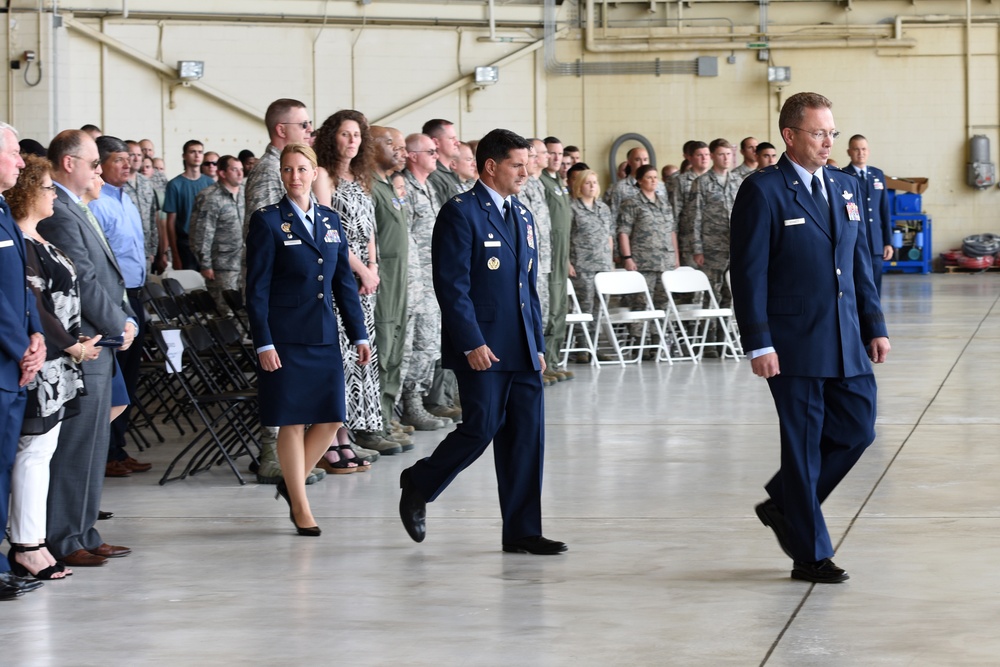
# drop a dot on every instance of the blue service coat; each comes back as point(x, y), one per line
point(799, 286)
point(877, 215)
point(293, 278)
point(485, 282)
point(18, 310)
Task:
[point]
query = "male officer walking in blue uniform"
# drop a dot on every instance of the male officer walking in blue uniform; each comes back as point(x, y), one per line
point(485, 261)
point(875, 205)
point(812, 324)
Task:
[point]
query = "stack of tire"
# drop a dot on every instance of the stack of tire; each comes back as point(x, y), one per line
point(978, 252)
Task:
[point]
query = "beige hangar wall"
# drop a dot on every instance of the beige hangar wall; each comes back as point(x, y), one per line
point(918, 99)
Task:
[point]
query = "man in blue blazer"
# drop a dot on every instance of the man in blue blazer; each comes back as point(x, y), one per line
point(22, 344)
point(876, 209)
point(811, 322)
point(485, 263)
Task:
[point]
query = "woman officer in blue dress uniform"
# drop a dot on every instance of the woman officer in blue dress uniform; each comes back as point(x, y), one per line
point(297, 264)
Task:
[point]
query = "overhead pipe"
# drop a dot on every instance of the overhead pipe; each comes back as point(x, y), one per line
point(491, 18)
point(713, 42)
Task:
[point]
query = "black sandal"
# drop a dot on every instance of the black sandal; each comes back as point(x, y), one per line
point(340, 467)
point(363, 466)
point(20, 570)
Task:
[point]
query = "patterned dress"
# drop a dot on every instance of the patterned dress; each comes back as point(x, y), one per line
point(357, 214)
point(53, 279)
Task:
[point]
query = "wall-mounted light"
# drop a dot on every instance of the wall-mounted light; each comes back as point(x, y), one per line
point(190, 70)
point(779, 74)
point(487, 76)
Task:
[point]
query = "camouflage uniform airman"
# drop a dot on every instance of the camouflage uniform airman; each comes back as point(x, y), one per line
point(590, 250)
point(263, 187)
point(741, 172)
point(625, 189)
point(425, 315)
point(650, 228)
point(217, 238)
point(140, 190)
point(533, 196)
point(711, 205)
point(679, 195)
point(159, 181)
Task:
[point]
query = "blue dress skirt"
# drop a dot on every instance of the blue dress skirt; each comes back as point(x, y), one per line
point(119, 392)
point(307, 389)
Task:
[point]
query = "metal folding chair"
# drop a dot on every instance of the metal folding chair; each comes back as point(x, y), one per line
point(577, 318)
point(618, 323)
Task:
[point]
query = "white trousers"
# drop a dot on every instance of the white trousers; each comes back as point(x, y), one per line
point(29, 486)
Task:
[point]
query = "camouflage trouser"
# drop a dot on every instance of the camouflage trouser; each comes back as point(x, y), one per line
point(223, 280)
point(656, 290)
point(424, 348)
point(542, 287)
point(586, 294)
point(715, 268)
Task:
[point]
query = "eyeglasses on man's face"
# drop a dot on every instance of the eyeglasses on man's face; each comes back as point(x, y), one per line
point(818, 135)
point(432, 151)
point(305, 125)
point(93, 165)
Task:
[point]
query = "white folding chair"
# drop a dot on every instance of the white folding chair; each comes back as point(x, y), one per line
point(576, 317)
point(620, 321)
point(734, 327)
point(691, 325)
point(190, 279)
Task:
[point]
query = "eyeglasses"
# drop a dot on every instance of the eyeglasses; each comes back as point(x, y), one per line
point(432, 151)
point(210, 163)
point(48, 188)
point(305, 125)
point(818, 135)
point(93, 165)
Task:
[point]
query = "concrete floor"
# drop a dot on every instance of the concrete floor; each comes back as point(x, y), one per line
point(651, 477)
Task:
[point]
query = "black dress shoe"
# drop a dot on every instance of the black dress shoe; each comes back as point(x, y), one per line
point(771, 516)
point(104, 516)
point(24, 585)
point(820, 572)
point(537, 545)
point(9, 592)
point(412, 508)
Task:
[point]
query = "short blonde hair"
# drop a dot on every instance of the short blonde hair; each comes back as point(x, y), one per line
point(580, 178)
point(300, 149)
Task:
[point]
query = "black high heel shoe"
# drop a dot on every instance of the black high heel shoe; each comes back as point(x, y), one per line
point(48, 574)
point(282, 490)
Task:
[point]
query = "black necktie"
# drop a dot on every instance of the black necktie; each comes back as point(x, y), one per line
point(861, 174)
point(821, 203)
point(508, 218)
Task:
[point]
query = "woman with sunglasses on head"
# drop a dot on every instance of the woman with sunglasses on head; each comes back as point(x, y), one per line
point(297, 271)
point(51, 394)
